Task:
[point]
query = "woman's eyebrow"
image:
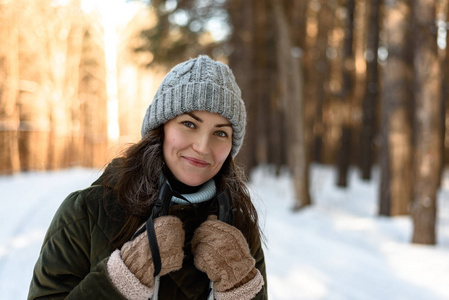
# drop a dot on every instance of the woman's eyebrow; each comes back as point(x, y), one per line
point(194, 117)
point(224, 125)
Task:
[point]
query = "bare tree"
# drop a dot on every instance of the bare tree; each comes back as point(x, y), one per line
point(62, 40)
point(9, 81)
point(427, 156)
point(32, 99)
point(74, 152)
point(39, 69)
point(92, 94)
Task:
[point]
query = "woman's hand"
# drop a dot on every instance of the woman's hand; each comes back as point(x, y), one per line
point(222, 252)
point(136, 254)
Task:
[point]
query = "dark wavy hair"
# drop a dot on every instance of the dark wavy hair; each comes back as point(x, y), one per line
point(137, 182)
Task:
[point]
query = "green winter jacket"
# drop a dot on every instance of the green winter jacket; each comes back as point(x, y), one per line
point(76, 248)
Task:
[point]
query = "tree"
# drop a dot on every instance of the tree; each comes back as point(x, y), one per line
point(262, 77)
point(319, 24)
point(9, 81)
point(136, 83)
point(396, 129)
point(182, 30)
point(241, 62)
point(61, 54)
point(93, 98)
point(445, 84)
point(32, 98)
point(344, 153)
point(291, 92)
point(40, 75)
point(427, 117)
point(370, 101)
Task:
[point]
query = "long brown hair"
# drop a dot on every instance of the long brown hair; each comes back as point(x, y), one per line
point(137, 183)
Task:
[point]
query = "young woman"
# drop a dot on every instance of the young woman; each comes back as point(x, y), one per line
point(119, 239)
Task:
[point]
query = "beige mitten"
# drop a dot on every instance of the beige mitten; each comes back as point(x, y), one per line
point(131, 269)
point(221, 251)
point(136, 254)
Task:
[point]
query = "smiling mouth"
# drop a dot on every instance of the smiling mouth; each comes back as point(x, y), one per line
point(196, 162)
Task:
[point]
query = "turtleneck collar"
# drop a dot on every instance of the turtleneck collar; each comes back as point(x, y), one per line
point(205, 193)
point(194, 194)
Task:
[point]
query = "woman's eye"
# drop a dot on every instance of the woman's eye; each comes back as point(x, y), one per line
point(188, 124)
point(221, 134)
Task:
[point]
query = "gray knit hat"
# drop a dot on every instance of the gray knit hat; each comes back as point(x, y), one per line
point(199, 84)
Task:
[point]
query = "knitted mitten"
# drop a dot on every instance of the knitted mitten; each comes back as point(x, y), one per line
point(136, 254)
point(131, 269)
point(221, 251)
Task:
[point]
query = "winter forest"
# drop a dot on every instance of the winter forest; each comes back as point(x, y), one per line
point(359, 88)
point(350, 84)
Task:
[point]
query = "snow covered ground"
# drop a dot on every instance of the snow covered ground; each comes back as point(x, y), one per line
point(336, 249)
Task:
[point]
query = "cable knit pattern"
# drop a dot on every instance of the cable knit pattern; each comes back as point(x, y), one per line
point(125, 281)
point(245, 292)
point(221, 251)
point(136, 254)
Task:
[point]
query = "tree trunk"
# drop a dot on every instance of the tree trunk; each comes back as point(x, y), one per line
point(277, 142)
point(445, 97)
point(370, 101)
point(296, 10)
point(9, 80)
point(262, 78)
point(291, 91)
point(92, 91)
point(240, 61)
point(316, 66)
point(75, 44)
point(427, 158)
point(34, 127)
point(32, 96)
point(56, 51)
point(344, 153)
point(396, 130)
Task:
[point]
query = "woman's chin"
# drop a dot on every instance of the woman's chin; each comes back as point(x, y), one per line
point(193, 180)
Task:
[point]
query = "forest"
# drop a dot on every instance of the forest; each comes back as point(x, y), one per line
point(349, 83)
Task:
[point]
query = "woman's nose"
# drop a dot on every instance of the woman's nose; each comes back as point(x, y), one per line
point(201, 144)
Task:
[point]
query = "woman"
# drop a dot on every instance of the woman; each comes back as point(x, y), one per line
point(106, 242)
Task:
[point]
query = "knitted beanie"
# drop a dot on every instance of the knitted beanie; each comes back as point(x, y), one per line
point(199, 84)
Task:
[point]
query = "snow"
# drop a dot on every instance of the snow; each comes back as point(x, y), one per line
point(338, 248)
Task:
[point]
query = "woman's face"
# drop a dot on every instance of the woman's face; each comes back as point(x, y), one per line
point(196, 145)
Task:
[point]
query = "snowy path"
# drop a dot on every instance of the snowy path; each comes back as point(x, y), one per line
point(336, 249)
point(339, 249)
point(28, 202)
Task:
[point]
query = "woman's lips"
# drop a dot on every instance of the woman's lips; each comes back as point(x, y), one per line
point(196, 162)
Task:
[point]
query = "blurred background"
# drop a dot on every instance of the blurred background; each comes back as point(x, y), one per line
point(343, 83)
